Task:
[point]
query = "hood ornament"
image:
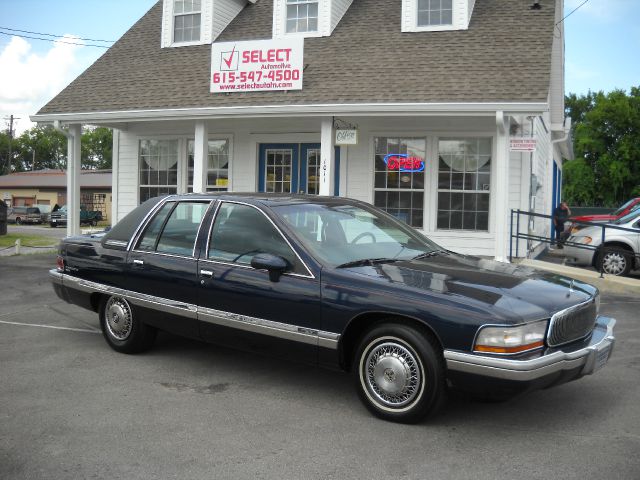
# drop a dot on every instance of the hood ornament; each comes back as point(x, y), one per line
point(571, 286)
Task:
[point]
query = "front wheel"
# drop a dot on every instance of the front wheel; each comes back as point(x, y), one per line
point(18, 221)
point(399, 373)
point(615, 262)
point(122, 330)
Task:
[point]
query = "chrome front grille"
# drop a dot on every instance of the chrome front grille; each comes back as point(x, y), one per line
point(572, 323)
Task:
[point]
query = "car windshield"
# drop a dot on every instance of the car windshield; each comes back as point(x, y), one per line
point(341, 235)
point(629, 217)
point(622, 208)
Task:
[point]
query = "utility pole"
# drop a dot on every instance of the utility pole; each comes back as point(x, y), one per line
point(11, 119)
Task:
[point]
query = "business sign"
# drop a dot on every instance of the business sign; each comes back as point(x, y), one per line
point(403, 162)
point(257, 65)
point(346, 137)
point(522, 144)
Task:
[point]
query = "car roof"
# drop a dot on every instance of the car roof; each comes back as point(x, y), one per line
point(267, 199)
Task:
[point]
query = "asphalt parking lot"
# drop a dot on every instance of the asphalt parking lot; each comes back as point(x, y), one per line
point(70, 407)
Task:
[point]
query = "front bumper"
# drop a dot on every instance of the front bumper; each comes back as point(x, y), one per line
point(578, 256)
point(553, 366)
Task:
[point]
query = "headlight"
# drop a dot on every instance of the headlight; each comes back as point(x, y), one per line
point(511, 339)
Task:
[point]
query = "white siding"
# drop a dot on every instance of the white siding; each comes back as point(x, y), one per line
point(338, 9)
point(127, 174)
point(224, 11)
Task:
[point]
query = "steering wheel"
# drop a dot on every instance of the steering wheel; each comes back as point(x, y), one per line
point(364, 234)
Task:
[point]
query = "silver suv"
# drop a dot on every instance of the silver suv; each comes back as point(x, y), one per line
point(19, 215)
point(622, 247)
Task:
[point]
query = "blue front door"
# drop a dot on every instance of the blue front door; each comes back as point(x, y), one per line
point(293, 168)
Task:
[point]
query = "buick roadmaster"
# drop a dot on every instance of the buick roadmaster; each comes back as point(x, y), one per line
point(337, 283)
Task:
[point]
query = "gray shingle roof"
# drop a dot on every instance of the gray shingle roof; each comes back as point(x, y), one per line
point(504, 56)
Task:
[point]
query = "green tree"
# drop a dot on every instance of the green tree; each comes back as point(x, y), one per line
point(607, 146)
point(97, 146)
point(45, 147)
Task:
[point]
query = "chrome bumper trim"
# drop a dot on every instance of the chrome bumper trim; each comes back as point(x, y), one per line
point(218, 317)
point(590, 358)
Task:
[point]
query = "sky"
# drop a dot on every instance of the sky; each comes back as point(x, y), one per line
point(602, 46)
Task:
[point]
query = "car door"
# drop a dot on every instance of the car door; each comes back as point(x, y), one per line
point(163, 270)
point(243, 306)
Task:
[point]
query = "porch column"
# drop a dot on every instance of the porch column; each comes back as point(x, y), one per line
point(500, 184)
point(73, 179)
point(327, 157)
point(200, 158)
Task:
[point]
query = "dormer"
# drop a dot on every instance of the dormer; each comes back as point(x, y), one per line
point(307, 18)
point(196, 22)
point(436, 15)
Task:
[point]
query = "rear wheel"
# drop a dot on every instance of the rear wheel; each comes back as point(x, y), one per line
point(399, 373)
point(615, 261)
point(18, 221)
point(122, 330)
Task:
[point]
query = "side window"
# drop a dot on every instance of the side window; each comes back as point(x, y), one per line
point(240, 232)
point(177, 233)
point(150, 237)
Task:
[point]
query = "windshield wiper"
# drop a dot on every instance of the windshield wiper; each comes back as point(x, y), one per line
point(432, 253)
point(367, 261)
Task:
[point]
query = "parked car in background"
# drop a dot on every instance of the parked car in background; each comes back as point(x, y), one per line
point(45, 212)
point(622, 211)
point(618, 255)
point(338, 283)
point(20, 215)
point(87, 217)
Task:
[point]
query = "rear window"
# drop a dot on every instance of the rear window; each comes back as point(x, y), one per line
point(33, 210)
point(125, 228)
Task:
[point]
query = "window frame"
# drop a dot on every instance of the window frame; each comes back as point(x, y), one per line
point(437, 190)
point(174, 15)
point(281, 23)
point(446, 26)
point(205, 257)
point(159, 138)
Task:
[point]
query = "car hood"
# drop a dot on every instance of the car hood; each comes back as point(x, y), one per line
point(499, 286)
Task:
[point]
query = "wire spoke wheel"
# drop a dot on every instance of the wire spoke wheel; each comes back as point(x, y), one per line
point(119, 319)
point(392, 374)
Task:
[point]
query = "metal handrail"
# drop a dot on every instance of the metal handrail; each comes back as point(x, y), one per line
point(600, 248)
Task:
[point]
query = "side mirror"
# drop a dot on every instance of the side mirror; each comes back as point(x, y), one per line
point(275, 265)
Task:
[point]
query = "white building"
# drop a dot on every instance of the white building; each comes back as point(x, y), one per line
point(436, 91)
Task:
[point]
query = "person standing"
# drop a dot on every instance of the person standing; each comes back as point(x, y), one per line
point(560, 216)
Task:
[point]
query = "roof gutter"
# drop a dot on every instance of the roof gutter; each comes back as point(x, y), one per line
point(361, 109)
point(566, 141)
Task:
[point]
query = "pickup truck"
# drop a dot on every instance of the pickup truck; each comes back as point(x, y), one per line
point(87, 217)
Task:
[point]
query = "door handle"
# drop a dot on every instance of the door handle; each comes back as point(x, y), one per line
point(138, 262)
point(206, 273)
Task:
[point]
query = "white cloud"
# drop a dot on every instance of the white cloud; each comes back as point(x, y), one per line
point(29, 80)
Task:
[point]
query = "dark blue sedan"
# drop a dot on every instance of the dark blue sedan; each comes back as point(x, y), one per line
point(338, 283)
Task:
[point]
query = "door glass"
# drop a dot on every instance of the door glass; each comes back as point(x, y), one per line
point(150, 237)
point(278, 167)
point(313, 171)
point(179, 234)
point(241, 231)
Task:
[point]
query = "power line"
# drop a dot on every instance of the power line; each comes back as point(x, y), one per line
point(571, 12)
point(53, 35)
point(52, 40)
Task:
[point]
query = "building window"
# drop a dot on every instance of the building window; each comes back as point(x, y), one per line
point(186, 21)
point(158, 168)
point(434, 13)
point(464, 183)
point(278, 169)
point(302, 16)
point(399, 178)
point(217, 165)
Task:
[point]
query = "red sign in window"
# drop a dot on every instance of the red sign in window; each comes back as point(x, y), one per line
point(403, 162)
